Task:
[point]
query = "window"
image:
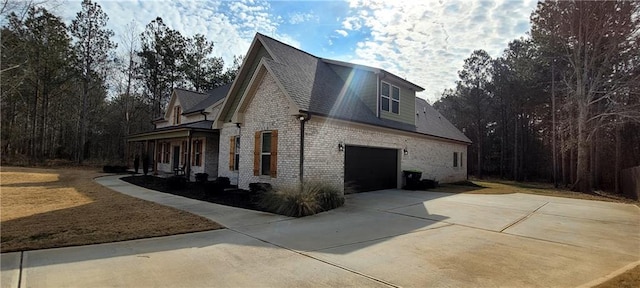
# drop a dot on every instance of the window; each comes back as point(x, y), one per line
point(265, 153)
point(176, 115)
point(461, 159)
point(234, 153)
point(185, 153)
point(236, 156)
point(389, 98)
point(159, 149)
point(197, 153)
point(455, 159)
point(167, 152)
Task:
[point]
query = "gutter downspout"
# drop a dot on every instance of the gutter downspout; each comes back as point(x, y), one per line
point(188, 172)
point(378, 95)
point(303, 118)
point(239, 139)
point(204, 114)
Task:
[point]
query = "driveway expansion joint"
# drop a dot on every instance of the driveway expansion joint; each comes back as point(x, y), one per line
point(523, 218)
point(20, 269)
point(320, 260)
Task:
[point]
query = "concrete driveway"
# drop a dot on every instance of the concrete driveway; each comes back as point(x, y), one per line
point(383, 238)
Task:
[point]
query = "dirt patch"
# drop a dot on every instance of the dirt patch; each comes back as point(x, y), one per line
point(47, 208)
point(629, 279)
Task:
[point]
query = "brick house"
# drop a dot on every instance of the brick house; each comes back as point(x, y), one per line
point(291, 116)
point(183, 138)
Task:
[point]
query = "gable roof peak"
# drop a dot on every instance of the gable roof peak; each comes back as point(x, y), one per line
point(283, 43)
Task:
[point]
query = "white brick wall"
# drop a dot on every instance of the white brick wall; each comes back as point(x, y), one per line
point(267, 111)
point(323, 161)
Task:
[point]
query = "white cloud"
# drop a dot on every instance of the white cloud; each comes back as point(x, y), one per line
point(342, 32)
point(230, 25)
point(352, 23)
point(427, 41)
point(298, 17)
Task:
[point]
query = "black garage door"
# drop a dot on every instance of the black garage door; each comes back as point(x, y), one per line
point(369, 169)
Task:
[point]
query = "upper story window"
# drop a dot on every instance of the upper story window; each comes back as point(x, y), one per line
point(176, 115)
point(390, 98)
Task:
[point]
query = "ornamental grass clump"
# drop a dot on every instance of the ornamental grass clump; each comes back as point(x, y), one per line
point(295, 201)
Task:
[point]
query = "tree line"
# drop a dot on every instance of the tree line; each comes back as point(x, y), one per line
point(562, 104)
point(69, 93)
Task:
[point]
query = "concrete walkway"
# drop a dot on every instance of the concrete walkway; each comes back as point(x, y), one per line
point(383, 238)
point(229, 217)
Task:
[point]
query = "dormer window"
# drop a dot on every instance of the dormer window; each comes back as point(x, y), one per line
point(176, 115)
point(389, 98)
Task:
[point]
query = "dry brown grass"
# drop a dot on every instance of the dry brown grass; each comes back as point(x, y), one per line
point(629, 279)
point(508, 187)
point(46, 208)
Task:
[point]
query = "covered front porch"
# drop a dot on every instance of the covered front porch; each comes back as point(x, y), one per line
point(177, 150)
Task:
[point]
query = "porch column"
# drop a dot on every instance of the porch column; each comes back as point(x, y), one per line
point(188, 170)
point(155, 154)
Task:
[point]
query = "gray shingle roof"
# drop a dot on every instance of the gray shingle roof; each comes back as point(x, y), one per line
point(204, 124)
point(316, 88)
point(188, 99)
point(430, 121)
point(212, 96)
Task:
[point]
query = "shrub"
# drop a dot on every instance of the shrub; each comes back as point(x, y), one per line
point(176, 182)
point(218, 185)
point(314, 197)
point(260, 187)
point(202, 177)
point(145, 164)
point(224, 181)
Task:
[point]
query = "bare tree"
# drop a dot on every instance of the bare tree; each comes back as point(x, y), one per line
point(598, 41)
point(92, 47)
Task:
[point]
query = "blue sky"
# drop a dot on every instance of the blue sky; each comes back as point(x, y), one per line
point(425, 42)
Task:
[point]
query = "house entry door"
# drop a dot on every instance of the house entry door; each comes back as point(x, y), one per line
point(176, 157)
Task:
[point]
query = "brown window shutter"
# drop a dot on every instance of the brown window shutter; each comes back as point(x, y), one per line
point(274, 153)
point(232, 156)
point(256, 153)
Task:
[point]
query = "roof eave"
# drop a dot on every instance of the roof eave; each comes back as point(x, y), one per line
point(390, 128)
